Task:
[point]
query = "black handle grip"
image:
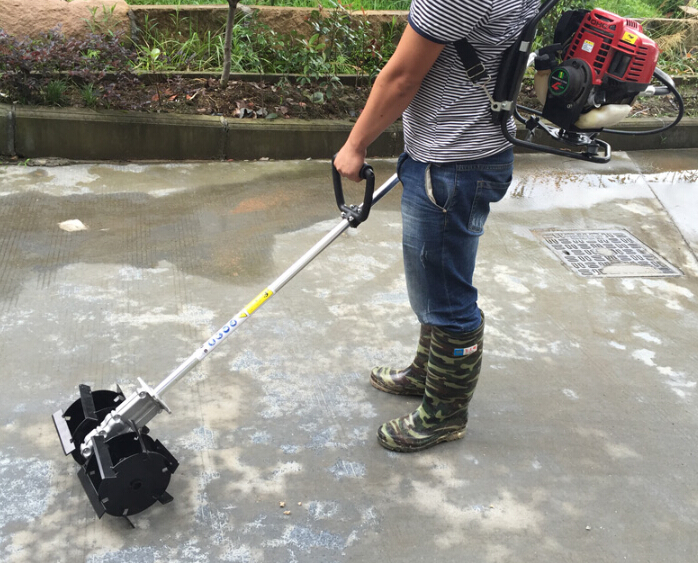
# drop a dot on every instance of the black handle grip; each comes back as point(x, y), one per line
point(355, 214)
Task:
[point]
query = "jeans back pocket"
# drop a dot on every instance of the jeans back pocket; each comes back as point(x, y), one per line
point(487, 192)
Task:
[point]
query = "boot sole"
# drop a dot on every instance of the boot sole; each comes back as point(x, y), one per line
point(396, 390)
point(457, 435)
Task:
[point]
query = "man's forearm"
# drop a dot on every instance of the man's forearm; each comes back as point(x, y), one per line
point(396, 86)
point(389, 97)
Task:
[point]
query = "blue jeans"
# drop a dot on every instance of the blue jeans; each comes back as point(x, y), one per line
point(444, 208)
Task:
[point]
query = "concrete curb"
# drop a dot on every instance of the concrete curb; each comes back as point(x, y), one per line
point(83, 134)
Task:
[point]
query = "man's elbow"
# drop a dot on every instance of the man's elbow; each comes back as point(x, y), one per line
point(399, 80)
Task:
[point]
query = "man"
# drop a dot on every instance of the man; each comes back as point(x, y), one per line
point(456, 162)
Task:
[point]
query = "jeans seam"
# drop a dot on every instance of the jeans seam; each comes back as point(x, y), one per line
point(447, 295)
point(478, 168)
point(401, 164)
point(473, 207)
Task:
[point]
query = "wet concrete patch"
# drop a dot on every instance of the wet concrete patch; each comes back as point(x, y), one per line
point(581, 435)
point(221, 227)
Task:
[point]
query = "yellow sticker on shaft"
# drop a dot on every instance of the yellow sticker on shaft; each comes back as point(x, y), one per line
point(258, 301)
point(629, 38)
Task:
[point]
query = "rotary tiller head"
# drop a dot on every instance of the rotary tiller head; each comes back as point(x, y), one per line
point(124, 474)
point(83, 416)
point(127, 474)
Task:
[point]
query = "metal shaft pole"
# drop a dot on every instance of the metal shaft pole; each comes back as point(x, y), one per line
point(232, 325)
point(146, 403)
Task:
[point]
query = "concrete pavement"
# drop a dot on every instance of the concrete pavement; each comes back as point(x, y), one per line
point(582, 440)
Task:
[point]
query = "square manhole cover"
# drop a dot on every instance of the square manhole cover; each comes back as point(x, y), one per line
point(610, 254)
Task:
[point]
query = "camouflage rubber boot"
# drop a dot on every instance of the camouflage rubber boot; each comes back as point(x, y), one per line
point(408, 381)
point(452, 373)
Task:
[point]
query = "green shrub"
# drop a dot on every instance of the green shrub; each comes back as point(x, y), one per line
point(41, 70)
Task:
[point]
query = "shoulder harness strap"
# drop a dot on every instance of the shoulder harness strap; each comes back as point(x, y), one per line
point(474, 69)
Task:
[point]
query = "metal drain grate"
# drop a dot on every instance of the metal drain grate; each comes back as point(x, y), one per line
point(610, 254)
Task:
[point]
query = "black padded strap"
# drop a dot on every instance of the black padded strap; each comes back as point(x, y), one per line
point(474, 69)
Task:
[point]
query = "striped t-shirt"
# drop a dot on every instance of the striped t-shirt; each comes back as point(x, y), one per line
point(449, 119)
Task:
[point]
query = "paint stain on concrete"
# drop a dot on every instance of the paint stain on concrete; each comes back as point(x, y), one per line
point(247, 479)
point(637, 208)
point(678, 382)
point(510, 281)
point(307, 539)
point(260, 438)
point(285, 469)
point(145, 554)
point(25, 489)
point(200, 439)
point(241, 554)
point(647, 337)
point(503, 514)
point(570, 394)
point(323, 510)
point(326, 439)
point(351, 469)
point(248, 361)
point(620, 451)
point(674, 296)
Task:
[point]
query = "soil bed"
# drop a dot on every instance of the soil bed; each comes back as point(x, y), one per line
point(271, 97)
point(280, 99)
point(204, 96)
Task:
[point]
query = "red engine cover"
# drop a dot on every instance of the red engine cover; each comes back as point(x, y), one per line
point(615, 46)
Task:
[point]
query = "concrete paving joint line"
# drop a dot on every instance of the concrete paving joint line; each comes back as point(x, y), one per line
point(85, 134)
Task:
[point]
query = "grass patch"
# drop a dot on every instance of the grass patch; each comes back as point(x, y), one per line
point(357, 5)
point(629, 8)
point(335, 43)
point(54, 92)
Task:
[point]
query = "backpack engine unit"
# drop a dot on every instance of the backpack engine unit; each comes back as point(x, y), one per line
point(587, 81)
point(607, 63)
